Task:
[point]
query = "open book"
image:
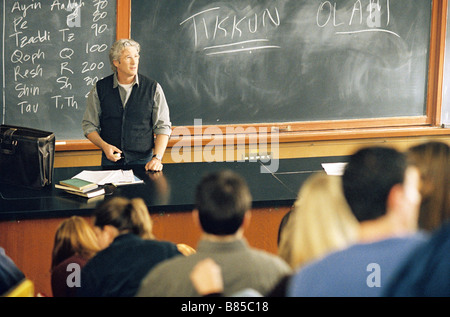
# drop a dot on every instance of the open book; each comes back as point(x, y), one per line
point(115, 177)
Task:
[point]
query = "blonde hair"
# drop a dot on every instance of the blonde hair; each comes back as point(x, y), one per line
point(74, 236)
point(126, 215)
point(321, 222)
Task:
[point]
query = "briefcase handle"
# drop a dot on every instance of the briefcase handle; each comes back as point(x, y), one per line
point(7, 144)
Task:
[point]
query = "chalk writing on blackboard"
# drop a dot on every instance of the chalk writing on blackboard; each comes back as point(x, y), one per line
point(328, 13)
point(214, 24)
point(53, 52)
point(217, 23)
point(264, 61)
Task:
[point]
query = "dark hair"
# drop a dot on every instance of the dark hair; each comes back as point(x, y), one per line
point(222, 199)
point(126, 215)
point(368, 178)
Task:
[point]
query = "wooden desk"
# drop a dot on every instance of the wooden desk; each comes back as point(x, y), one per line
point(29, 218)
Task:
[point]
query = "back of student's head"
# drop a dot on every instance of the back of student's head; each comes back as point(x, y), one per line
point(74, 236)
point(320, 222)
point(222, 199)
point(433, 161)
point(368, 178)
point(125, 215)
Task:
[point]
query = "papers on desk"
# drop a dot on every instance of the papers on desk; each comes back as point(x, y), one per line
point(334, 168)
point(115, 177)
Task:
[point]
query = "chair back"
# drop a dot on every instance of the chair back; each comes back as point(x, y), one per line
point(24, 289)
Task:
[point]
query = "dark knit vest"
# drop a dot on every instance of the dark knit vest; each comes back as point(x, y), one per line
point(130, 128)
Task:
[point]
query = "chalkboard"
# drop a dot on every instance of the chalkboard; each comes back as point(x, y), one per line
point(52, 54)
point(257, 61)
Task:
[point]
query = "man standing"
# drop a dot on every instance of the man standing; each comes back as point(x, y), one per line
point(125, 110)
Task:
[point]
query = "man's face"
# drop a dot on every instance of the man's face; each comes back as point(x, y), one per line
point(128, 63)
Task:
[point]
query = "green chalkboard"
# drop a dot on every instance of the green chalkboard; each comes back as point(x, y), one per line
point(52, 54)
point(259, 61)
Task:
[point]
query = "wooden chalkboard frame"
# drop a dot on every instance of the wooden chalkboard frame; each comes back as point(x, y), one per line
point(445, 108)
point(426, 125)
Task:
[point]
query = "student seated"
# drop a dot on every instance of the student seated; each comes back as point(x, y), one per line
point(75, 243)
point(382, 192)
point(319, 223)
point(10, 274)
point(433, 160)
point(222, 205)
point(426, 273)
point(124, 229)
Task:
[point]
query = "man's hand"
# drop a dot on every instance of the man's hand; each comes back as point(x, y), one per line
point(154, 165)
point(206, 276)
point(107, 148)
point(111, 152)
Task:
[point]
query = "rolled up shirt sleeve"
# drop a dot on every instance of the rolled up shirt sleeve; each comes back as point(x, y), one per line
point(91, 118)
point(161, 115)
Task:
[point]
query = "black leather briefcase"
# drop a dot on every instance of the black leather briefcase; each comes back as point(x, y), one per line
point(26, 156)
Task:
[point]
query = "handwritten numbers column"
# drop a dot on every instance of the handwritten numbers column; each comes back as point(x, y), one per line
point(91, 69)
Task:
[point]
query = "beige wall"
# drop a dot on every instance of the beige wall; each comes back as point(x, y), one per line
point(286, 149)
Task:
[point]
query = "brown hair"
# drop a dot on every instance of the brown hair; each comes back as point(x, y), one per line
point(126, 215)
point(433, 161)
point(74, 236)
point(222, 199)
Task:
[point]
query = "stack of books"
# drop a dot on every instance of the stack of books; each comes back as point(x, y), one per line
point(81, 187)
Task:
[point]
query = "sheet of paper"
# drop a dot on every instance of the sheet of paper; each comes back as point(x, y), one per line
point(128, 178)
point(334, 168)
point(107, 177)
